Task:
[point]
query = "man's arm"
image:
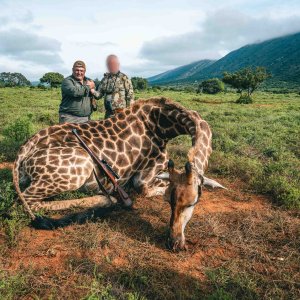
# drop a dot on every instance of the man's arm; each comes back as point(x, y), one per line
point(98, 92)
point(129, 94)
point(69, 88)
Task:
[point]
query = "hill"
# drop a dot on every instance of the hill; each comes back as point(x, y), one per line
point(280, 56)
point(180, 73)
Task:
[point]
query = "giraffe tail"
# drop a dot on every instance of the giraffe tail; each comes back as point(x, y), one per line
point(46, 223)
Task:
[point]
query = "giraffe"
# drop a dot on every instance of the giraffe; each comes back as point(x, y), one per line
point(133, 142)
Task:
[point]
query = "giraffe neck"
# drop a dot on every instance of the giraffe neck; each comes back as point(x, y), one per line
point(169, 120)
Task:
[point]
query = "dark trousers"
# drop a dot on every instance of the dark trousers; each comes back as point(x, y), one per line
point(67, 118)
point(108, 113)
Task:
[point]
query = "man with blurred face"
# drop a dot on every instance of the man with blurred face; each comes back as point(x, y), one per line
point(115, 87)
point(76, 105)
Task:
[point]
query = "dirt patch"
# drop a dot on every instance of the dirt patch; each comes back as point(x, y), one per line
point(128, 247)
point(49, 249)
point(6, 165)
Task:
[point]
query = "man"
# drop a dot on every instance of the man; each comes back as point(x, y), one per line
point(77, 101)
point(115, 87)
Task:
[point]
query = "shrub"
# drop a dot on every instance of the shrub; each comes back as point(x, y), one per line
point(54, 79)
point(20, 130)
point(46, 118)
point(139, 83)
point(211, 86)
point(7, 195)
point(244, 99)
point(15, 134)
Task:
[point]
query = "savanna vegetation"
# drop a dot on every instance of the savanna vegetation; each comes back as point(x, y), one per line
point(246, 80)
point(54, 79)
point(8, 79)
point(233, 254)
point(211, 86)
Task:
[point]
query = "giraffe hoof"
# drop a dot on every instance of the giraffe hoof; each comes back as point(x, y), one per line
point(43, 223)
point(127, 204)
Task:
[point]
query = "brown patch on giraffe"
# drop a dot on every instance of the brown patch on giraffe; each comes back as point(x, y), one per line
point(121, 124)
point(121, 116)
point(138, 128)
point(135, 141)
point(116, 128)
point(110, 145)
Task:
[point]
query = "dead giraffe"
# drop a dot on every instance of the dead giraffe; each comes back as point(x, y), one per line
point(185, 187)
point(133, 142)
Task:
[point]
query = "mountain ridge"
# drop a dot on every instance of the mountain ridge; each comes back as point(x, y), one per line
point(280, 56)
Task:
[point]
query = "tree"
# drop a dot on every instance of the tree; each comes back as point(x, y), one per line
point(13, 79)
point(53, 78)
point(211, 86)
point(139, 83)
point(247, 79)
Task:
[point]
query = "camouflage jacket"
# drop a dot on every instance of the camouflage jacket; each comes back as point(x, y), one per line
point(116, 89)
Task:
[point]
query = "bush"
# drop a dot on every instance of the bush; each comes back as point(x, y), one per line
point(20, 130)
point(244, 99)
point(211, 86)
point(15, 134)
point(7, 195)
point(54, 79)
point(139, 83)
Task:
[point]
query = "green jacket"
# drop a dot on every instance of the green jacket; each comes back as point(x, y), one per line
point(76, 99)
point(116, 89)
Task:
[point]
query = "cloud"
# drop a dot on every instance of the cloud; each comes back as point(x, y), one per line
point(18, 16)
point(221, 32)
point(29, 47)
point(97, 44)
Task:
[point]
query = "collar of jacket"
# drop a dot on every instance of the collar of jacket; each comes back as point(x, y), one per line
point(107, 74)
point(84, 79)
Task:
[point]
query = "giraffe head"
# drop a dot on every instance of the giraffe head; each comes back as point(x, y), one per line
point(183, 194)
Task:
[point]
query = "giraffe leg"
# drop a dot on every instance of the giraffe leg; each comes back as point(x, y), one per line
point(87, 202)
point(34, 196)
point(146, 184)
point(74, 170)
point(157, 188)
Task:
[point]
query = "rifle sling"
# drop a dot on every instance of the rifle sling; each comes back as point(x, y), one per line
point(101, 186)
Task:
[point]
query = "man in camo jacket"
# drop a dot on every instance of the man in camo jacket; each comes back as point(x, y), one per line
point(115, 87)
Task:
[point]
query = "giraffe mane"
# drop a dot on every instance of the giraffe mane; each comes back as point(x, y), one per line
point(162, 102)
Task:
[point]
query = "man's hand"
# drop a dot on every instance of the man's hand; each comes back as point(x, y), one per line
point(91, 84)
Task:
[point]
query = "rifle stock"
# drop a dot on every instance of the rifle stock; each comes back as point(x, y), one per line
point(120, 191)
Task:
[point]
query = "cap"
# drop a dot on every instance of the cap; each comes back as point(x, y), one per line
point(79, 63)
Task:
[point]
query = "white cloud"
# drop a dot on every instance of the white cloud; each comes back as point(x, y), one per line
point(149, 36)
point(221, 32)
point(29, 47)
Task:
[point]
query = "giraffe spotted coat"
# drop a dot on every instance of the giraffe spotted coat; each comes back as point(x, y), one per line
point(133, 142)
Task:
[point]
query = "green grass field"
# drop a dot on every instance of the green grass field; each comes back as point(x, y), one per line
point(257, 143)
point(245, 240)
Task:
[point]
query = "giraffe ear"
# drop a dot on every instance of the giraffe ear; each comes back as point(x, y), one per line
point(171, 166)
point(163, 176)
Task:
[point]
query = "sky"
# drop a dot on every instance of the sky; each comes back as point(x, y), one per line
point(149, 37)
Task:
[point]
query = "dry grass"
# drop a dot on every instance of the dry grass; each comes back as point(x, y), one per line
point(237, 250)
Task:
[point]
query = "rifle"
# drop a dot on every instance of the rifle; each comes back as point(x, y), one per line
point(107, 170)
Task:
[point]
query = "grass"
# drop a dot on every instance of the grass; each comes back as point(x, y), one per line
point(241, 255)
point(237, 254)
point(258, 143)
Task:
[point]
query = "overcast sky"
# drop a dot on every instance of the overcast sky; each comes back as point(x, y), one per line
point(150, 37)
